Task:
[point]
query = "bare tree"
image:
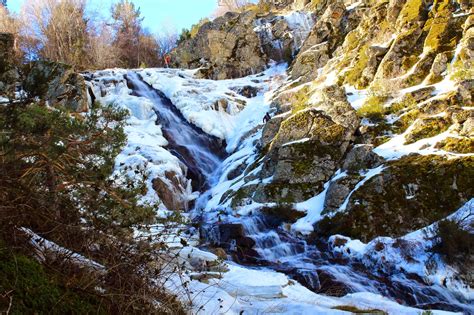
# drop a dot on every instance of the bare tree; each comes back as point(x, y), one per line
point(103, 54)
point(224, 6)
point(11, 24)
point(58, 30)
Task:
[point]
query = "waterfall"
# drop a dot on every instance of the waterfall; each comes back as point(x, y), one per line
point(200, 152)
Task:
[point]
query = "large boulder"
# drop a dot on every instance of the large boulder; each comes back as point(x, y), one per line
point(303, 155)
point(225, 48)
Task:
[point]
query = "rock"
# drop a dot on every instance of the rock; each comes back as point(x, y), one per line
point(284, 212)
point(271, 129)
point(361, 157)
point(8, 74)
point(56, 83)
point(308, 62)
point(465, 92)
point(338, 191)
point(440, 65)
point(468, 127)
point(303, 155)
point(394, 9)
point(427, 127)
point(172, 190)
point(228, 46)
point(247, 91)
point(409, 194)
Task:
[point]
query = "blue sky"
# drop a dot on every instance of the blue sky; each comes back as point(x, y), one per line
point(176, 13)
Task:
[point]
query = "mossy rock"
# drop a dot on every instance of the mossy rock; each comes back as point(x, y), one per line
point(426, 128)
point(284, 212)
point(373, 108)
point(409, 194)
point(463, 145)
point(286, 193)
point(406, 120)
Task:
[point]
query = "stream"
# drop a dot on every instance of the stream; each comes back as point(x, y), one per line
point(259, 240)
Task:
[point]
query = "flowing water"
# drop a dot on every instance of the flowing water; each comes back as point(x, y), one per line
point(201, 153)
point(268, 244)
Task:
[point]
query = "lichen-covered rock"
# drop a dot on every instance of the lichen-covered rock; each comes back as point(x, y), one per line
point(56, 83)
point(427, 127)
point(409, 194)
point(307, 63)
point(338, 192)
point(303, 155)
point(271, 129)
point(361, 157)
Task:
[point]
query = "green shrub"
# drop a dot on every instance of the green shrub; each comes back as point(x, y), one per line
point(31, 289)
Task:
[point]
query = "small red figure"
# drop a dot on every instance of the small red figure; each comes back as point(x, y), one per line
point(167, 60)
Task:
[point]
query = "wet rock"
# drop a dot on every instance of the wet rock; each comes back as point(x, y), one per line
point(361, 157)
point(172, 190)
point(284, 212)
point(247, 91)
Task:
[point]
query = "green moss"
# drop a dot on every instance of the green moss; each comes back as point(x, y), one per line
point(36, 290)
point(409, 61)
point(408, 102)
point(427, 128)
point(300, 100)
point(462, 145)
point(406, 120)
point(381, 207)
point(411, 11)
point(373, 108)
point(354, 74)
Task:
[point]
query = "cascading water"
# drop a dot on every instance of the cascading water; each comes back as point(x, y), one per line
point(201, 153)
point(267, 242)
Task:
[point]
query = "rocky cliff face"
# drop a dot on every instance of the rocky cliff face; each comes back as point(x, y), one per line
point(373, 81)
point(371, 135)
point(240, 44)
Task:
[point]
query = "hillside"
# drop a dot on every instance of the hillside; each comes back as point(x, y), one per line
point(356, 195)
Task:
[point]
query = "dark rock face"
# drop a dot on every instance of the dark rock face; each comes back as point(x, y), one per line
point(238, 44)
point(231, 237)
point(56, 83)
point(409, 194)
point(8, 74)
point(361, 157)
